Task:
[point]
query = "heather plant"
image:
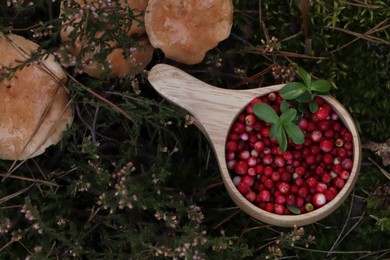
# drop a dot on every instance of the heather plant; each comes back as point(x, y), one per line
point(133, 178)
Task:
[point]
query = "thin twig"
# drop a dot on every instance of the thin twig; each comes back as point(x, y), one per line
point(360, 4)
point(30, 179)
point(93, 93)
point(15, 194)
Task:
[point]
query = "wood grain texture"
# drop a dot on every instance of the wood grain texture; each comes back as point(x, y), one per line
point(215, 109)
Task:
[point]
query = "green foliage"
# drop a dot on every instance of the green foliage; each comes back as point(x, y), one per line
point(305, 93)
point(282, 126)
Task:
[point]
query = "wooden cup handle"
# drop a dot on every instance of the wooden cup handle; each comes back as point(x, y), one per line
point(214, 108)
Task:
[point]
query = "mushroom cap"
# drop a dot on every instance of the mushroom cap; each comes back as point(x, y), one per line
point(186, 30)
point(35, 108)
point(121, 66)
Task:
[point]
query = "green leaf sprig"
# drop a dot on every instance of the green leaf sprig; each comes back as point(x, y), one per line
point(304, 93)
point(283, 125)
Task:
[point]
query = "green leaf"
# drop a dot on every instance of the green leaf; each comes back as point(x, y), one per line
point(321, 86)
point(294, 133)
point(265, 112)
point(293, 209)
point(293, 90)
point(288, 116)
point(313, 106)
point(282, 140)
point(274, 130)
point(283, 106)
point(306, 77)
point(305, 97)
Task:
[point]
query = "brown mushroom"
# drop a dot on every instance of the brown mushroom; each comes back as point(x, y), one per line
point(121, 62)
point(186, 30)
point(35, 108)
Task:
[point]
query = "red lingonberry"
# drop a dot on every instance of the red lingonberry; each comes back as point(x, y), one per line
point(338, 182)
point(243, 188)
point(238, 127)
point(321, 187)
point(280, 199)
point(269, 184)
point(300, 171)
point(326, 145)
point(344, 175)
point(279, 209)
point(348, 137)
point(329, 134)
point(264, 195)
point(287, 156)
point(348, 145)
point(330, 195)
point(244, 154)
point(270, 207)
point(286, 176)
point(291, 200)
point(284, 187)
point(316, 136)
point(259, 146)
point(268, 159)
point(279, 161)
point(241, 167)
point(299, 181)
point(302, 192)
point(327, 158)
point(252, 171)
point(319, 200)
point(248, 180)
point(299, 202)
point(265, 132)
point(319, 170)
point(275, 176)
point(231, 146)
point(310, 159)
point(347, 163)
point(326, 178)
point(259, 168)
point(321, 114)
point(268, 170)
point(311, 182)
point(250, 119)
point(324, 125)
point(250, 196)
point(302, 124)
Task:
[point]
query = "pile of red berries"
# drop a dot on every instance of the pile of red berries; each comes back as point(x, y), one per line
point(302, 178)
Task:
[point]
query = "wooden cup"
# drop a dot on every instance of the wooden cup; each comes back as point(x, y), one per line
point(214, 110)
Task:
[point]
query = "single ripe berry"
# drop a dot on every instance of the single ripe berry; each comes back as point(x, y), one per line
point(347, 164)
point(284, 187)
point(316, 136)
point(264, 195)
point(326, 145)
point(251, 196)
point(241, 167)
point(243, 188)
point(319, 200)
point(279, 209)
point(321, 114)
